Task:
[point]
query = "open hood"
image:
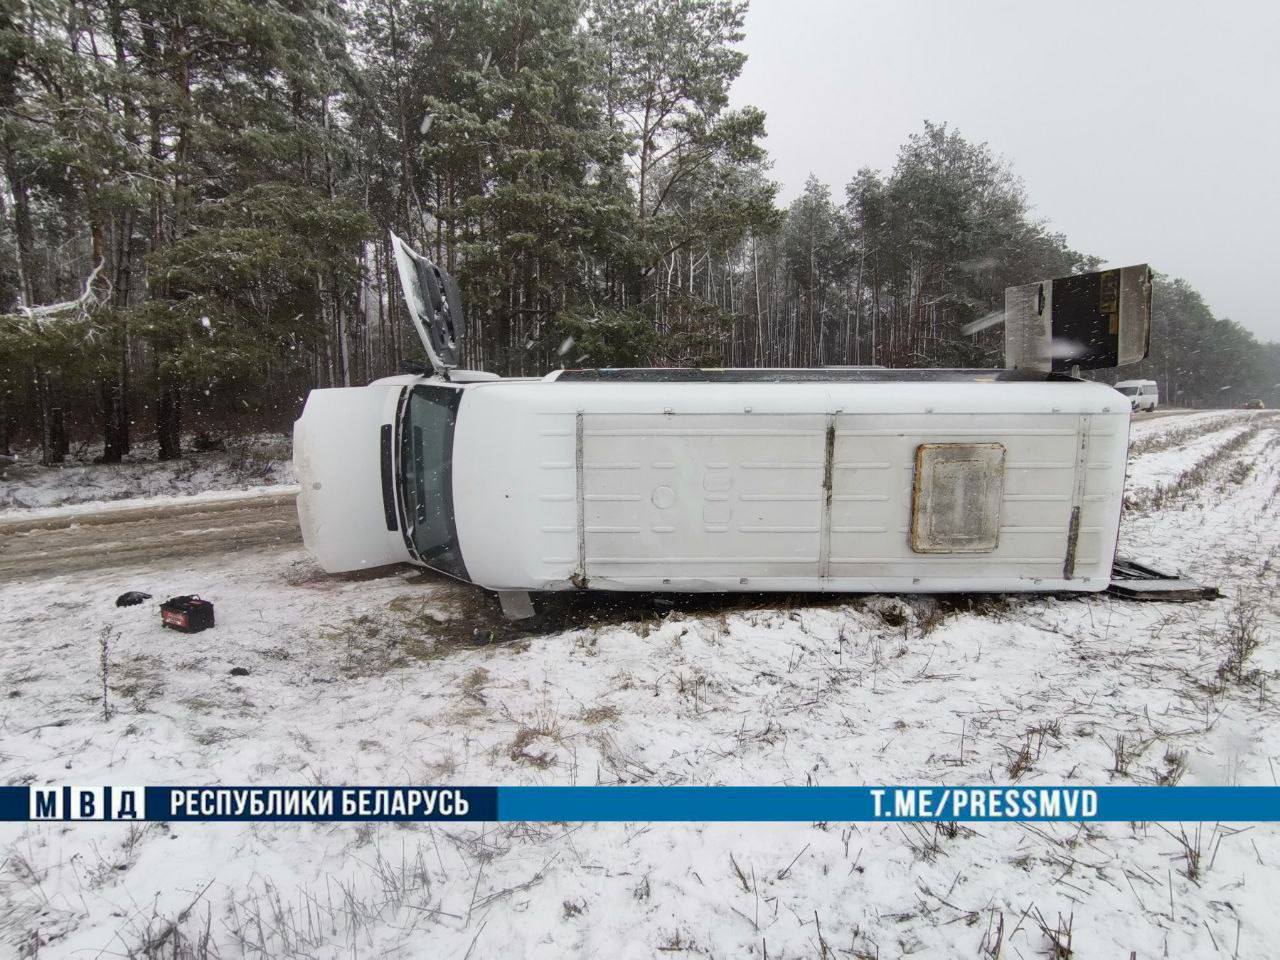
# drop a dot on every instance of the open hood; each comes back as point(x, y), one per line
point(343, 460)
point(434, 306)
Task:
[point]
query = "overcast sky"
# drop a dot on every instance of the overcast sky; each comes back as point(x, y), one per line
point(1144, 131)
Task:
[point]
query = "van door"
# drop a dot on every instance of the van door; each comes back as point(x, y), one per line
point(711, 498)
point(342, 456)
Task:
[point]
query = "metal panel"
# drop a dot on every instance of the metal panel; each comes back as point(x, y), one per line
point(1135, 581)
point(956, 499)
point(871, 515)
point(1028, 336)
point(435, 306)
point(702, 496)
point(1135, 315)
point(1077, 498)
point(1092, 320)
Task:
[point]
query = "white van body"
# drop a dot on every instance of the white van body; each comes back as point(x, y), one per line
point(843, 479)
point(1142, 394)
point(721, 480)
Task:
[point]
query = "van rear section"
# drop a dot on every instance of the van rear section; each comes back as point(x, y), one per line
point(343, 458)
point(945, 481)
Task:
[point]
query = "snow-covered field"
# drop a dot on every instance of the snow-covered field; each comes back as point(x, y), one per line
point(404, 678)
point(254, 464)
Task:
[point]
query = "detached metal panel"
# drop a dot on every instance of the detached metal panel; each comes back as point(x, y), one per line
point(1093, 320)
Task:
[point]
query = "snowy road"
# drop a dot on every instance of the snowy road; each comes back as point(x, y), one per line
point(400, 677)
point(129, 537)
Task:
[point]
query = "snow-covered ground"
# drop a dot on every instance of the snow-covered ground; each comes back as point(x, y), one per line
point(254, 465)
point(405, 678)
point(1161, 450)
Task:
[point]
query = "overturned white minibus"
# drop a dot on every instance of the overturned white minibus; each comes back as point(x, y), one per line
point(843, 480)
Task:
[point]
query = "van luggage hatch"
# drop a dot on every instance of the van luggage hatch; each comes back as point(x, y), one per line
point(434, 306)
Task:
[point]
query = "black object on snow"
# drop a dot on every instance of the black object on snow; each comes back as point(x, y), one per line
point(187, 614)
point(1135, 581)
point(132, 598)
point(239, 671)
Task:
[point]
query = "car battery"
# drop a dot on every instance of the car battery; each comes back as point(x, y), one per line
point(188, 614)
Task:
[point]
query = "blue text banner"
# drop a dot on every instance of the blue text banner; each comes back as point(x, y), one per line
point(640, 803)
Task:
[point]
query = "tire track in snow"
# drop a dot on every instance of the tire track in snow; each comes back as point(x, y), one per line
point(1163, 467)
point(1219, 518)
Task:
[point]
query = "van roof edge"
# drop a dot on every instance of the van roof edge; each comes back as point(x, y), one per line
point(807, 375)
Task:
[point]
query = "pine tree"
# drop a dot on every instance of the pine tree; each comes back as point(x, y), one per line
point(669, 67)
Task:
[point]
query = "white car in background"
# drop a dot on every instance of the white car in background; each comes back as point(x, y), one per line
point(1142, 394)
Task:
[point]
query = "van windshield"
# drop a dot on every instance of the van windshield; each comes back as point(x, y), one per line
point(1128, 391)
point(426, 477)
